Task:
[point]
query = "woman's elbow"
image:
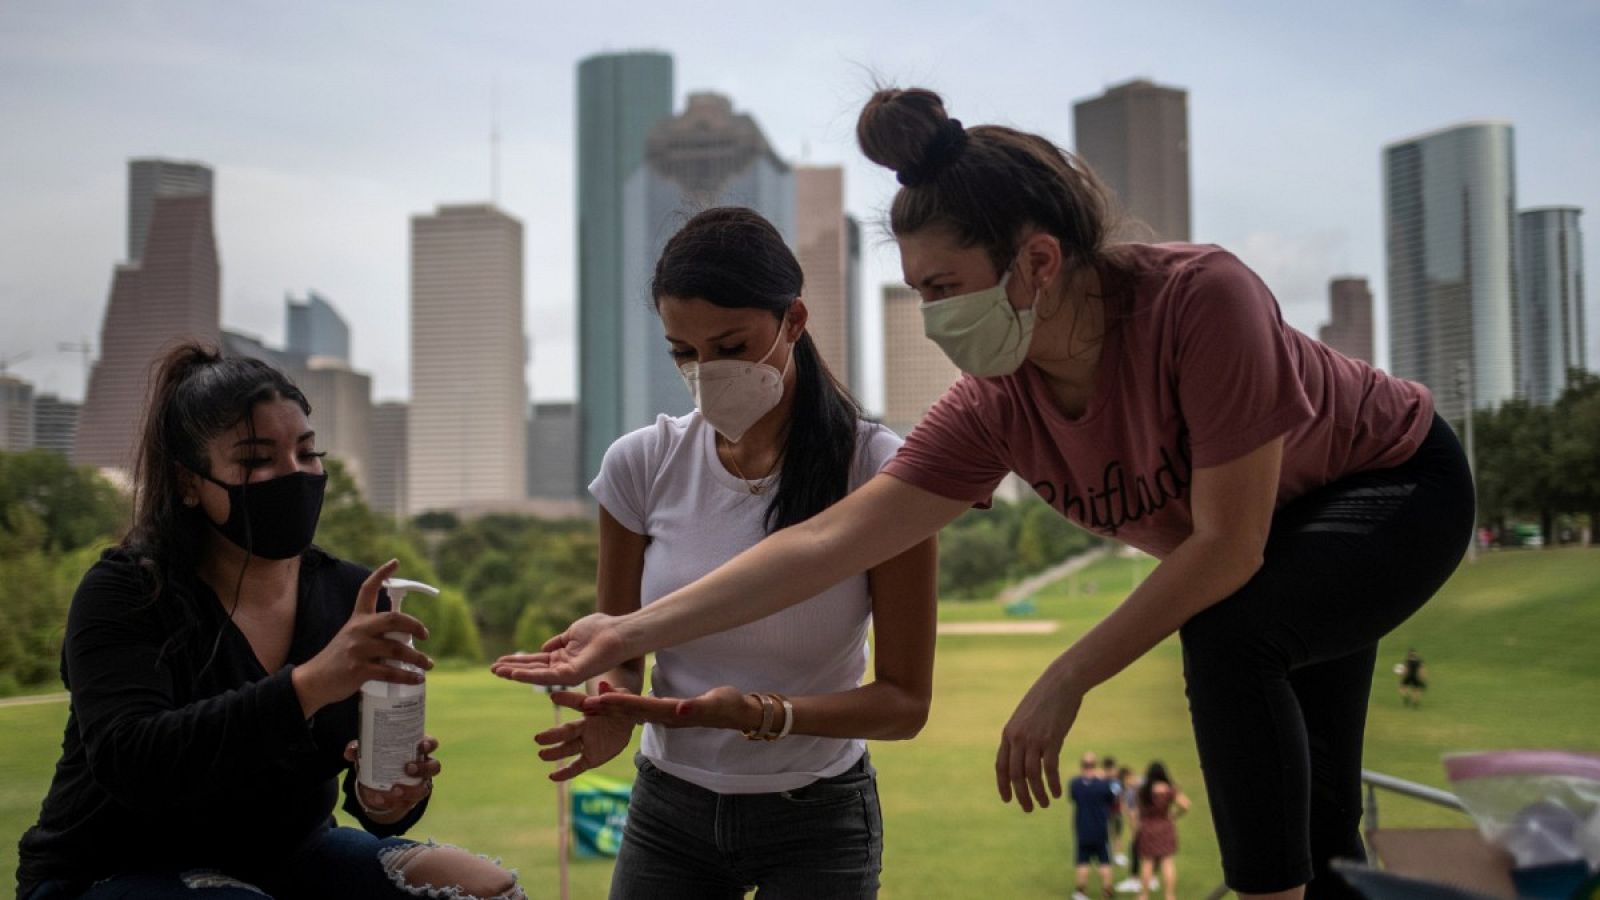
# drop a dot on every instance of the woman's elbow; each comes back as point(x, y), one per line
point(910, 715)
point(119, 773)
point(1234, 560)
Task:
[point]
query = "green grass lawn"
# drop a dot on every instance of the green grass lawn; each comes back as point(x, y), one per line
point(1508, 643)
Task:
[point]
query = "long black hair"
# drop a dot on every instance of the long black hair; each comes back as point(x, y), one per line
point(196, 393)
point(731, 257)
point(1156, 773)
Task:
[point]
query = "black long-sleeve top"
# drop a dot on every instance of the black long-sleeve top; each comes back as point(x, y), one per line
point(173, 757)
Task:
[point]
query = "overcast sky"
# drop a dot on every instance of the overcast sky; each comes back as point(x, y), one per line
point(329, 124)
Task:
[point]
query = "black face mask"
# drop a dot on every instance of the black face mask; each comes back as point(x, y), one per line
point(272, 519)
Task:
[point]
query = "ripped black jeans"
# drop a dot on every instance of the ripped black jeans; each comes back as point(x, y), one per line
point(1279, 672)
point(333, 864)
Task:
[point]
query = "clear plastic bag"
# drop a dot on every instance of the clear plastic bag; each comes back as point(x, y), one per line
point(1542, 806)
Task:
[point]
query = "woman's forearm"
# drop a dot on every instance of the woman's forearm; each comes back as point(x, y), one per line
point(628, 677)
point(879, 711)
point(881, 520)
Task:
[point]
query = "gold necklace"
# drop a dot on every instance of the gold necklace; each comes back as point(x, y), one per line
point(756, 487)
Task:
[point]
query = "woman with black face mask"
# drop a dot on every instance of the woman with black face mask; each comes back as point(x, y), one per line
point(213, 659)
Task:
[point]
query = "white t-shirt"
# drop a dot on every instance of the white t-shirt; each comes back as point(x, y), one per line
point(666, 482)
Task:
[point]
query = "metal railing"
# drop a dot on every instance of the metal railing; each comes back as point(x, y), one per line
point(1374, 781)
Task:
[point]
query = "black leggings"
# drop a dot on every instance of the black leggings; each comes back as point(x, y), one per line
point(1278, 673)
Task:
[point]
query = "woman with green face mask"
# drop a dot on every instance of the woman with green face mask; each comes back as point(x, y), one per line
point(1301, 504)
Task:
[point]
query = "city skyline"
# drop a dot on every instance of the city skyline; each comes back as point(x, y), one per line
point(1285, 136)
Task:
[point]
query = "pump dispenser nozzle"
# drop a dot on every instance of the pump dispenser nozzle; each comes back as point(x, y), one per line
point(392, 713)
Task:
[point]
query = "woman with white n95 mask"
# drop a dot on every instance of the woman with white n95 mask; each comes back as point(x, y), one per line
point(763, 726)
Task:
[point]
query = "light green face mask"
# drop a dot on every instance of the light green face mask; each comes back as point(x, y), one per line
point(981, 332)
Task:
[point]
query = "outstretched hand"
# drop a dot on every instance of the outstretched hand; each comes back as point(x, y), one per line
point(592, 646)
point(594, 741)
point(721, 707)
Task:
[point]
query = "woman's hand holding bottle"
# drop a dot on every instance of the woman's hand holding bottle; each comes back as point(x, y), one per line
point(358, 652)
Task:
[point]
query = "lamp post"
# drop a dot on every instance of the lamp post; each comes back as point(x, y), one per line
point(563, 833)
point(1464, 390)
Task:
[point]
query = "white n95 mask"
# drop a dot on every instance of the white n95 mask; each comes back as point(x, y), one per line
point(733, 394)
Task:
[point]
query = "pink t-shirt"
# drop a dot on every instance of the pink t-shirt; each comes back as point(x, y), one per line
point(1200, 370)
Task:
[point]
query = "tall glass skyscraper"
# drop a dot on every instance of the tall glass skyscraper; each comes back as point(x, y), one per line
point(621, 96)
point(1550, 300)
point(1449, 221)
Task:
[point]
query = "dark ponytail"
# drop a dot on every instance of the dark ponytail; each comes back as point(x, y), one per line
point(733, 258)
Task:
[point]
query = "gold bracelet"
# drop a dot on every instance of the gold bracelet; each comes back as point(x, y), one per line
point(768, 712)
point(788, 717)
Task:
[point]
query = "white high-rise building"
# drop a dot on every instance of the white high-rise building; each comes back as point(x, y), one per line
point(387, 482)
point(822, 244)
point(1449, 219)
point(916, 373)
point(466, 429)
point(16, 414)
point(1550, 300)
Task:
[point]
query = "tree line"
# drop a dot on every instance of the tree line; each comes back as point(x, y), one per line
point(508, 582)
point(1541, 464)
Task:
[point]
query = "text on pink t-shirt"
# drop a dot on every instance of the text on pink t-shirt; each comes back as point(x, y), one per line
point(1198, 368)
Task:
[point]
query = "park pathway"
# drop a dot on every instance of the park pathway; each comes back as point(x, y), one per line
point(35, 699)
point(1035, 583)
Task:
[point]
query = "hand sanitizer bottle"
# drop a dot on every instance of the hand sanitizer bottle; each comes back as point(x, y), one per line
point(392, 714)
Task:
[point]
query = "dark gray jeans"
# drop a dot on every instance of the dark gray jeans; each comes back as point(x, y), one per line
point(822, 840)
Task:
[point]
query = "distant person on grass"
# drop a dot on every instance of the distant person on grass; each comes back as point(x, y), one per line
point(1092, 795)
point(790, 807)
point(1302, 504)
point(1159, 806)
point(1114, 818)
point(1413, 678)
point(213, 659)
point(1129, 794)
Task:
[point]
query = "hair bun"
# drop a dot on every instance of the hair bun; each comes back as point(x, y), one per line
point(908, 131)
